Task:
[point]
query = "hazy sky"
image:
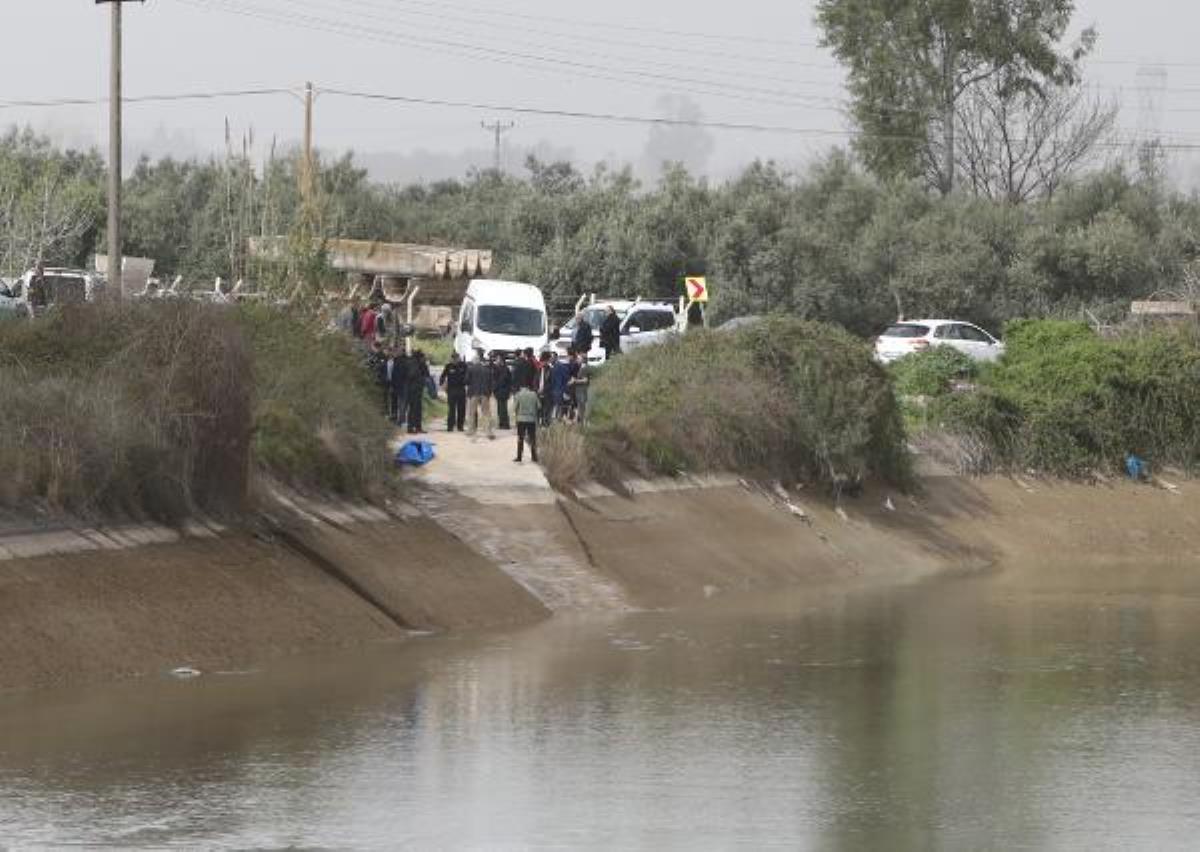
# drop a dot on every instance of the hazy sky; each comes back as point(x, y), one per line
point(754, 61)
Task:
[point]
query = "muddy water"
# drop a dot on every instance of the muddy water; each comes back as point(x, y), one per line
point(960, 715)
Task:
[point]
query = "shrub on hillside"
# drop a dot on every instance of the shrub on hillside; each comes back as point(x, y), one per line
point(1068, 402)
point(162, 409)
point(932, 372)
point(317, 415)
point(782, 398)
point(131, 409)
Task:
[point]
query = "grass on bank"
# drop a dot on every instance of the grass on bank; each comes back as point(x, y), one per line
point(160, 410)
point(785, 399)
point(1066, 402)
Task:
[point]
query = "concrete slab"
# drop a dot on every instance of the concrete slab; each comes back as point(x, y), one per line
point(481, 469)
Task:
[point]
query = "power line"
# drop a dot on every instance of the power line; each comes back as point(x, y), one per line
point(516, 109)
point(399, 17)
point(796, 99)
point(506, 19)
point(609, 25)
point(651, 120)
point(581, 114)
point(521, 59)
point(143, 99)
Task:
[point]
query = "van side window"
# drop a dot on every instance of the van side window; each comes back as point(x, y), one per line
point(467, 322)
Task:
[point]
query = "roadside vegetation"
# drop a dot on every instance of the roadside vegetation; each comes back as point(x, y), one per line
point(162, 410)
point(781, 399)
point(831, 243)
point(1067, 402)
point(317, 413)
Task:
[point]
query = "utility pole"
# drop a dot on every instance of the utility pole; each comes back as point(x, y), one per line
point(499, 128)
point(115, 250)
point(307, 189)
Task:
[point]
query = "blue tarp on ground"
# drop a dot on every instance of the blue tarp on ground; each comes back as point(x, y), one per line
point(415, 453)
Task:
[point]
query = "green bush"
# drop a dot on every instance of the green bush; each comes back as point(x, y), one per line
point(783, 398)
point(1068, 402)
point(317, 413)
point(931, 372)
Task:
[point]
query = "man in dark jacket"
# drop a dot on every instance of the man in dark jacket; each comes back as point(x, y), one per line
point(397, 371)
point(524, 372)
point(502, 385)
point(545, 384)
point(416, 379)
point(610, 333)
point(454, 380)
point(479, 395)
point(582, 341)
point(560, 380)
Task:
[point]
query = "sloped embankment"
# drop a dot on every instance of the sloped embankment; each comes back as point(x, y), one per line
point(234, 601)
point(238, 600)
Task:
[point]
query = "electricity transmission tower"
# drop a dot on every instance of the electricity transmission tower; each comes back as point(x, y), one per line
point(499, 128)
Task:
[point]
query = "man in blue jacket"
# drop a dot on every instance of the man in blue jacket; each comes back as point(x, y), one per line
point(560, 379)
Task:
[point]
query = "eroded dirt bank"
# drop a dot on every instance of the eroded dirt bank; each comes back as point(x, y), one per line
point(237, 600)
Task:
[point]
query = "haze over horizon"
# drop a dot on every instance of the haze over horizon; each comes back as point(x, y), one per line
point(756, 63)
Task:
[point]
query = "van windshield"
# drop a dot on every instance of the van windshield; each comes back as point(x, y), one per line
point(519, 322)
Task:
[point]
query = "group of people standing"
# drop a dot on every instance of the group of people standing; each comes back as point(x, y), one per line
point(404, 379)
point(541, 389)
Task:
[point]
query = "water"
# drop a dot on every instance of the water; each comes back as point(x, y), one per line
point(957, 715)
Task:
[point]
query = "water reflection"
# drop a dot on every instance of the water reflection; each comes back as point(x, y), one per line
point(967, 714)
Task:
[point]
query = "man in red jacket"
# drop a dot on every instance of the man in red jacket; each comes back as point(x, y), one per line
point(366, 324)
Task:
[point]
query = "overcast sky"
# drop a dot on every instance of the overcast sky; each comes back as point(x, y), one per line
point(754, 61)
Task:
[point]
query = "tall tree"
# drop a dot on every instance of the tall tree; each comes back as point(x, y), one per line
point(910, 63)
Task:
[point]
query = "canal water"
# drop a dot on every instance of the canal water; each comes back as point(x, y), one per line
point(962, 714)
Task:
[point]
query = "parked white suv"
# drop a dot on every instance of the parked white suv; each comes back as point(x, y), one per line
point(642, 324)
point(62, 286)
point(910, 336)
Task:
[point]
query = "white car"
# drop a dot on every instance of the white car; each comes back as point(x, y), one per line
point(62, 286)
point(910, 336)
point(10, 306)
point(642, 324)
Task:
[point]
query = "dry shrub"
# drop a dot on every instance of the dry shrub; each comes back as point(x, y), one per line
point(563, 453)
point(138, 410)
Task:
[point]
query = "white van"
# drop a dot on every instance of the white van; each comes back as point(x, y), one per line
point(501, 316)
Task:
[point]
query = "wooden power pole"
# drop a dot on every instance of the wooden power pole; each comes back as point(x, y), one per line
point(308, 178)
point(115, 250)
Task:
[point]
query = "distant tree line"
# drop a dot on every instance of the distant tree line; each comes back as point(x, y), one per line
point(831, 243)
